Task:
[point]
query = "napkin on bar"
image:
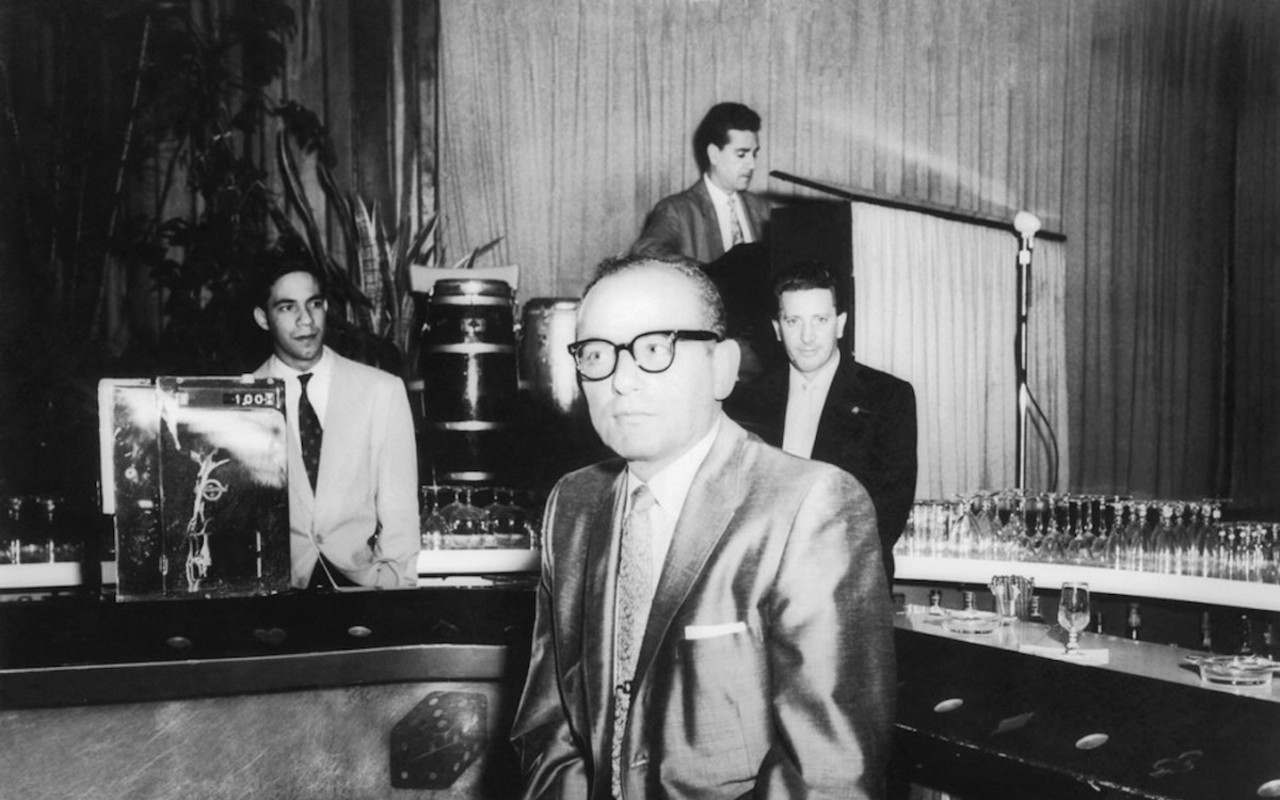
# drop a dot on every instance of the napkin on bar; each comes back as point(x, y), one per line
point(1095, 656)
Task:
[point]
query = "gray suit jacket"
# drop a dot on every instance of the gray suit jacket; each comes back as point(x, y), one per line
point(767, 665)
point(685, 224)
point(368, 482)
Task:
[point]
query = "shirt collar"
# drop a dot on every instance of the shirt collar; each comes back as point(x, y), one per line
point(671, 486)
point(718, 196)
point(321, 369)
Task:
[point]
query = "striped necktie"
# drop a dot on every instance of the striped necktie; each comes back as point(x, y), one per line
point(635, 595)
point(735, 225)
point(310, 434)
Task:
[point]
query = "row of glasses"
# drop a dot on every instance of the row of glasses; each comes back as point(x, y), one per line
point(1168, 537)
point(36, 529)
point(459, 518)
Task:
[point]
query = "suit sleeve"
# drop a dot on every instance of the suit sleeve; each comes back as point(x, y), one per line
point(830, 644)
point(551, 755)
point(662, 235)
point(898, 480)
point(398, 541)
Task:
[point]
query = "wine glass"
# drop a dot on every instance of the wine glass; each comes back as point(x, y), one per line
point(468, 523)
point(1073, 613)
point(433, 526)
point(508, 521)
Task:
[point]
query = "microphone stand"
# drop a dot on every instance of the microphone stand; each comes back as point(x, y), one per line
point(1020, 360)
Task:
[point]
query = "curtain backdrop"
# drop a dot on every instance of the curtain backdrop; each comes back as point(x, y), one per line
point(1114, 121)
point(935, 302)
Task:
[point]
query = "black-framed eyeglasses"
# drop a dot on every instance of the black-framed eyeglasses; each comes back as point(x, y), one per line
point(596, 359)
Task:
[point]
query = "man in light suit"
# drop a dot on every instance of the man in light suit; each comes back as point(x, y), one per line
point(764, 665)
point(713, 215)
point(826, 406)
point(358, 524)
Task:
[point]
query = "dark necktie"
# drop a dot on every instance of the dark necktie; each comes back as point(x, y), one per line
point(635, 595)
point(310, 434)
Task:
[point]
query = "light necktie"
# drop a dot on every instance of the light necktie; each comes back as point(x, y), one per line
point(310, 434)
point(635, 595)
point(735, 225)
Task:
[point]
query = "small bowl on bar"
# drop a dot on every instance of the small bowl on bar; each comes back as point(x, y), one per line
point(970, 621)
point(1237, 670)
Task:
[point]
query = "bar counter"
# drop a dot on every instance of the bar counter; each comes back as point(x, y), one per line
point(365, 694)
point(401, 694)
point(980, 717)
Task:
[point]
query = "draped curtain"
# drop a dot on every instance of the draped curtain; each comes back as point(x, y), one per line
point(935, 302)
point(1114, 121)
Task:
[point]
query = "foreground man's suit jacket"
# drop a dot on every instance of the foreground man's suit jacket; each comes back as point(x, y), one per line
point(686, 224)
point(867, 428)
point(767, 665)
point(368, 481)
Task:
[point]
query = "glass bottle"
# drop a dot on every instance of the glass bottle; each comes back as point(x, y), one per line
point(1035, 615)
point(1245, 647)
point(1133, 624)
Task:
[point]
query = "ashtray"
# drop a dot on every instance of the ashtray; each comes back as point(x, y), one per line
point(1236, 670)
point(970, 621)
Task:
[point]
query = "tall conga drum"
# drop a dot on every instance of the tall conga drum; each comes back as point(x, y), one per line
point(469, 379)
point(547, 373)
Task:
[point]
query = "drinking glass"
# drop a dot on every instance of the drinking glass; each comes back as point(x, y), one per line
point(468, 523)
point(508, 521)
point(1073, 613)
point(433, 526)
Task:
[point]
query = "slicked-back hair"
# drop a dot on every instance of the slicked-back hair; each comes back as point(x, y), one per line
point(715, 127)
point(275, 269)
point(687, 268)
point(803, 276)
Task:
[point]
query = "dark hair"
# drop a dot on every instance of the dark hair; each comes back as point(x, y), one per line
point(806, 275)
point(715, 127)
point(278, 265)
point(708, 294)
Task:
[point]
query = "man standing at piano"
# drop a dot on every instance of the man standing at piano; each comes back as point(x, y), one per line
point(717, 212)
point(353, 462)
point(826, 406)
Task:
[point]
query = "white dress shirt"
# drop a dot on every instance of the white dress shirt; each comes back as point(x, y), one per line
point(806, 395)
point(670, 487)
point(722, 200)
point(317, 387)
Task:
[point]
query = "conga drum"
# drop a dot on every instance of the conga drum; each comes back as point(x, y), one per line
point(547, 373)
point(469, 381)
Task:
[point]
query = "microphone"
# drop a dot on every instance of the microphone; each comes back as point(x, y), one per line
point(1027, 224)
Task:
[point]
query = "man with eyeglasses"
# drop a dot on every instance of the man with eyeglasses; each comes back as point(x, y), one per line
point(712, 615)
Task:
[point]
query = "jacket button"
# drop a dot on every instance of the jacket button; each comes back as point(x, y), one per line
point(319, 539)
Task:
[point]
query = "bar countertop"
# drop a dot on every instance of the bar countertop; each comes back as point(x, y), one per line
point(981, 716)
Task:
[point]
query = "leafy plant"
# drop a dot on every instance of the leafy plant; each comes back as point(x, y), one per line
point(203, 102)
point(375, 288)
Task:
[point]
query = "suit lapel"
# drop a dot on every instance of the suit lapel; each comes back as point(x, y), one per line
point(840, 429)
point(710, 220)
point(340, 419)
point(712, 499)
point(596, 543)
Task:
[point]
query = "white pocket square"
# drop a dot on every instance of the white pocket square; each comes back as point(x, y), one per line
point(692, 632)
